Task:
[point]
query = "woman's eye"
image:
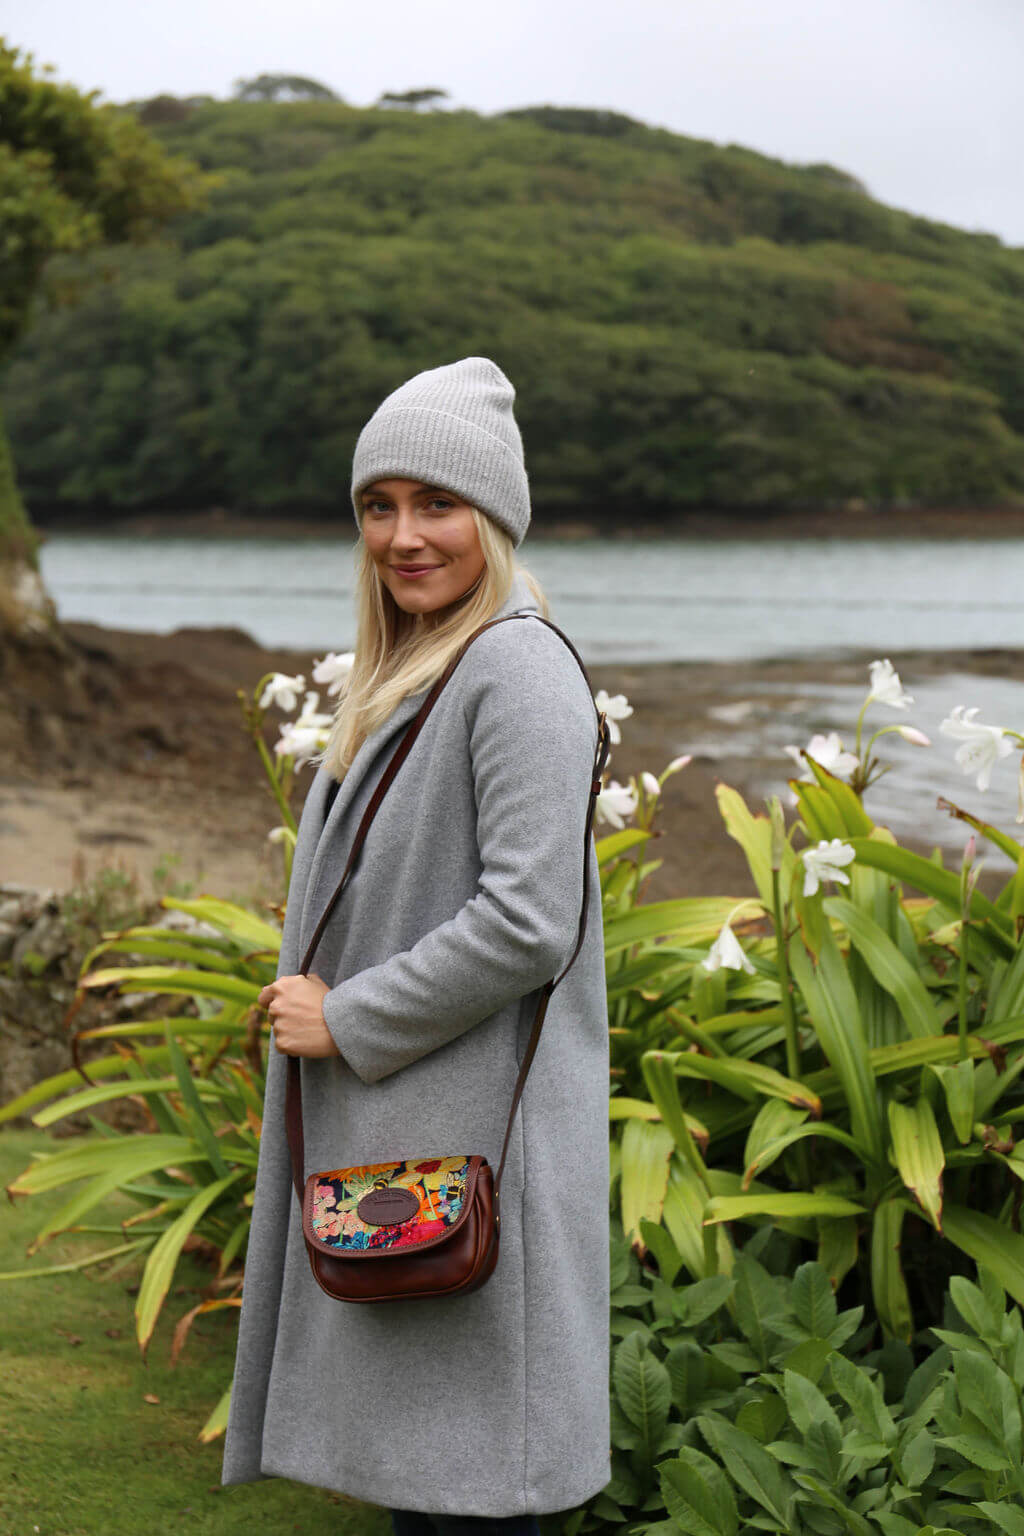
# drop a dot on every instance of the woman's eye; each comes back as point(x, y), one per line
point(439, 504)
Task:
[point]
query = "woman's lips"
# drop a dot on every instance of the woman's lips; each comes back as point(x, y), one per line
point(411, 571)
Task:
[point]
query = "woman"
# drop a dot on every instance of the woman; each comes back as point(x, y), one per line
point(475, 1412)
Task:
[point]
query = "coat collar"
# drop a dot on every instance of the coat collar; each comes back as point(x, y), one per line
point(315, 836)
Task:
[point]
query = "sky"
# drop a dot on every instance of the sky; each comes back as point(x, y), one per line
point(920, 99)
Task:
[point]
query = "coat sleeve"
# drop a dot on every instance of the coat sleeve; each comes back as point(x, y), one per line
point(532, 733)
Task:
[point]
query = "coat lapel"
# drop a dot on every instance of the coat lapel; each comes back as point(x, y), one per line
point(316, 849)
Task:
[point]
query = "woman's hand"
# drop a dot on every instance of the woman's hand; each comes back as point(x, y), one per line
point(295, 1005)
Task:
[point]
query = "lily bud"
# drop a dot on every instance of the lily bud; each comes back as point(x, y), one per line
point(914, 736)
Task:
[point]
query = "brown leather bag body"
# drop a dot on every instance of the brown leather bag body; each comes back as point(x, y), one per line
point(429, 1226)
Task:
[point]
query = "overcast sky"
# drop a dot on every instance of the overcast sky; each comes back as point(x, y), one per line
point(921, 99)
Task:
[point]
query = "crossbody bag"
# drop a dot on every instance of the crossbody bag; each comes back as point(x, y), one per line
point(425, 1226)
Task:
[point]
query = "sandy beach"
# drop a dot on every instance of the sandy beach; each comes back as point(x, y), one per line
point(152, 767)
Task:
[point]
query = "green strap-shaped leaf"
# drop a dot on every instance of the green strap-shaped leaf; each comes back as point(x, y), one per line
point(646, 1149)
point(169, 978)
point(130, 1157)
point(748, 1079)
point(217, 1423)
point(935, 881)
point(199, 1122)
point(957, 1081)
point(618, 843)
point(919, 1154)
point(159, 1270)
point(888, 966)
point(230, 918)
point(888, 1285)
point(687, 920)
point(777, 1203)
point(832, 1005)
point(990, 1244)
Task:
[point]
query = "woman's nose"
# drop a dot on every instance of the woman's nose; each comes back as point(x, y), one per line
point(407, 529)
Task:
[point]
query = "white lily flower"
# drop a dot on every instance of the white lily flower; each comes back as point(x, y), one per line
point(728, 952)
point(283, 691)
point(650, 784)
point(615, 707)
point(616, 803)
point(309, 716)
point(301, 741)
point(828, 753)
point(981, 745)
point(823, 863)
point(913, 735)
point(886, 686)
point(333, 670)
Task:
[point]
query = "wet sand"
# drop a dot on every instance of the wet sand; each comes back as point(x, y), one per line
point(153, 767)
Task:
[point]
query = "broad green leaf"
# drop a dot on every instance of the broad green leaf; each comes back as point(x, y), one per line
point(761, 1417)
point(917, 1459)
point(160, 1265)
point(697, 1495)
point(812, 1300)
point(854, 820)
point(756, 1303)
point(888, 966)
point(803, 1132)
point(749, 1464)
point(1009, 1517)
point(973, 1306)
point(701, 1300)
point(988, 1243)
point(646, 1149)
point(642, 1388)
point(863, 1397)
point(919, 1155)
point(957, 1083)
point(658, 1242)
point(888, 1285)
point(686, 1364)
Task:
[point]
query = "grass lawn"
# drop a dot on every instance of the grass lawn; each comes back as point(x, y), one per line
point(83, 1452)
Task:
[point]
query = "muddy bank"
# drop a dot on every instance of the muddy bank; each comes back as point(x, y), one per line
point(148, 769)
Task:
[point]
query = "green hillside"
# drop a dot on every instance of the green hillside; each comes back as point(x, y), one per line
point(686, 325)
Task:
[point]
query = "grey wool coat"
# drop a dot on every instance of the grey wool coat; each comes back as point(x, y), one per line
point(465, 901)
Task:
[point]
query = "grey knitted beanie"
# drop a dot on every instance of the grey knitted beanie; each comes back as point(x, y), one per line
point(451, 427)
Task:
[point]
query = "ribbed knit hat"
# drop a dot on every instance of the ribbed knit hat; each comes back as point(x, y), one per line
point(451, 427)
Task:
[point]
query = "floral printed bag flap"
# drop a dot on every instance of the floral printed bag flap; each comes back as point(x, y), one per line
point(426, 1226)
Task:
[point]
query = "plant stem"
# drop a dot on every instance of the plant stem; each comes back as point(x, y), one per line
point(788, 1016)
point(962, 991)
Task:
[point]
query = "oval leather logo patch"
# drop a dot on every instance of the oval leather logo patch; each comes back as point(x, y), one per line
point(388, 1207)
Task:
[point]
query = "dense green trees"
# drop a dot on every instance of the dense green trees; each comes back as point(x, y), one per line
point(71, 175)
point(686, 324)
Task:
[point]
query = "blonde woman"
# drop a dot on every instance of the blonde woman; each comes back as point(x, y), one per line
point(472, 1413)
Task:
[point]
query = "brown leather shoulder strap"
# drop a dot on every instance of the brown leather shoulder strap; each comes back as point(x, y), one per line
point(293, 1095)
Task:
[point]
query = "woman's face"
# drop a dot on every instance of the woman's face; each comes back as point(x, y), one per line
point(424, 542)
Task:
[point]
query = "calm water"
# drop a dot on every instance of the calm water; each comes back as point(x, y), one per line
point(649, 601)
point(664, 601)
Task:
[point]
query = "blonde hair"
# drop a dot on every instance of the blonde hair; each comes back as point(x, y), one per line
point(397, 653)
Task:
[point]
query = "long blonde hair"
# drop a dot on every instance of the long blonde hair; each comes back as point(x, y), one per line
point(397, 654)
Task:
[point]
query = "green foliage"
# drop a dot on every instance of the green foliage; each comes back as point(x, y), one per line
point(754, 1403)
point(687, 325)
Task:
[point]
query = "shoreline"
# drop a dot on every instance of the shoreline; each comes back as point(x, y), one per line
point(149, 764)
point(851, 523)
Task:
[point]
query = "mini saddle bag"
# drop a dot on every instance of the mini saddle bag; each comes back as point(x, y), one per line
point(427, 1226)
